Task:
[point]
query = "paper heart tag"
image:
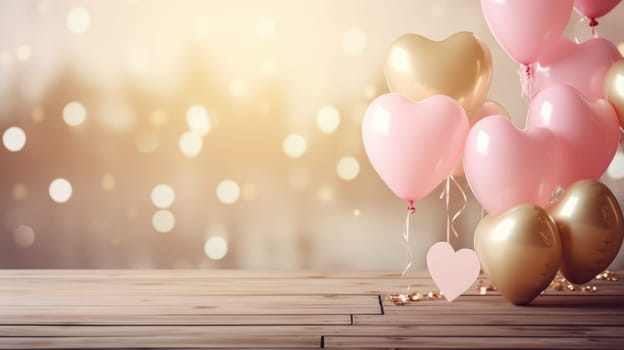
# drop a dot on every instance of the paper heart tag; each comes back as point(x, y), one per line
point(452, 271)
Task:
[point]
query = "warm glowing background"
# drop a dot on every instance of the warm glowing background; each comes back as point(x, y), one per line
point(216, 134)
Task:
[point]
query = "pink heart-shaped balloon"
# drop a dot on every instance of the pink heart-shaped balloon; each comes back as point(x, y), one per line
point(588, 130)
point(525, 28)
point(487, 109)
point(506, 166)
point(414, 145)
point(595, 8)
point(582, 66)
point(453, 272)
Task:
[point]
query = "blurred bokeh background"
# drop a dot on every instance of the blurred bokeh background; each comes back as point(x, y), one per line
point(217, 134)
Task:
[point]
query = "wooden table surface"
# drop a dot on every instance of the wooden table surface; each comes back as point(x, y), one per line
point(175, 309)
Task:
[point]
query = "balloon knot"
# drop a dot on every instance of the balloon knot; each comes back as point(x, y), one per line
point(410, 207)
point(593, 22)
point(527, 71)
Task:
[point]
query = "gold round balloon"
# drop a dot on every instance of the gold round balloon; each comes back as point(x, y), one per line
point(590, 222)
point(614, 89)
point(520, 251)
point(459, 67)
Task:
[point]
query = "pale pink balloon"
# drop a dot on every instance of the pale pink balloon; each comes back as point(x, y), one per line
point(506, 166)
point(414, 145)
point(595, 8)
point(582, 66)
point(525, 27)
point(588, 130)
point(487, 108)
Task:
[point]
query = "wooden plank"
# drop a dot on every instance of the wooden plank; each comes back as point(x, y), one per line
point(272, 331)
point(257, 287)
point(224, 305)
point(476, 310)
point(161, 275)
point(475, 342)
point(207, 287)
point(276, 309)
point(64, 318)
point(407, 319)
point(302, 341)
point(202, 285)
point(557, 298)
point(215, 304)
point(161, 342)
point(492, 305)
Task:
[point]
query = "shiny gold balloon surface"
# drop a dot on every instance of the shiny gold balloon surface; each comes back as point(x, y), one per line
point(614, 89)
point(590, 222)
point(459, 67)
point(520, 251)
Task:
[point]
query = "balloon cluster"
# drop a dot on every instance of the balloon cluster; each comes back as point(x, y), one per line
point(436, 112)
point(522, 248)
point(415, 135)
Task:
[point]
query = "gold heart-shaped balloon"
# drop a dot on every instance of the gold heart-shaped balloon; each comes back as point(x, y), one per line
point(459, 67)
point(590, 222)
point(520, 251)
point(614, 89)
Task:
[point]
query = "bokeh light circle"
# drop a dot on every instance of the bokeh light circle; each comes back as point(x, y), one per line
point(348, 168)
point(228, 192)
point(163, 221)
point(14, 139)
point(60, 190)
point(294, 146)
point(216, 248)
point(74, 113)
point(162, 196)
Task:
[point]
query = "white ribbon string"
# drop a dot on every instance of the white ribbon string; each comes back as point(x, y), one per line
point(408, 248)
point(463, 207)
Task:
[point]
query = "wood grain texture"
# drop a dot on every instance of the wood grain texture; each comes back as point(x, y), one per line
point(119, 309)
point(62, 317)
point(489, 320)
point(571, 331)
point(476, 342)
